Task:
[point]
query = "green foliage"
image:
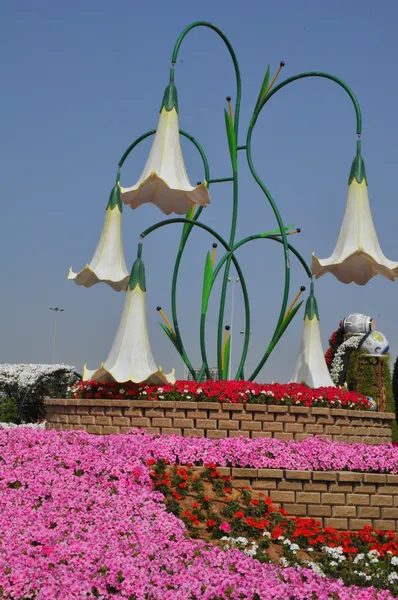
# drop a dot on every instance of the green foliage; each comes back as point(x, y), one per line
point(8, 411)
point(395, 385)
point(362, 376)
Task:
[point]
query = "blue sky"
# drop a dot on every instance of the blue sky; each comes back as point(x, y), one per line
point(82, 80)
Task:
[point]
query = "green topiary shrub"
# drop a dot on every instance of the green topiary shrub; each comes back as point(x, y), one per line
point(362, 376)
point(9, 411)
point(395, 386)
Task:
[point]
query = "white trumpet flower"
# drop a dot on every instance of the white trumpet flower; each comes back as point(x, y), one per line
point(130, 358)
point(164, 180)
point(358, 256)
point(311, 366)
point(108, 264)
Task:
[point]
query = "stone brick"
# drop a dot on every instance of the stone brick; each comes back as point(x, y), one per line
point(207, 405)
point(392, 479)
point(241, 483)
point(333, 499)
point(308, 497)
point(133, 412)
point(294, 428)
point(167, 404)
point(389, 513)
point(232, 407)
point(171, 430)
point(387, 489)
point(63, 419)
point(300, 410)
point(194, 432)
point(152, 429)
point(267, 426)
point(376, 500)
point(74, 419)
point(264, 485)
point(121, 421)
point(69, 427)
point(251, 426)
point(270, 473)
point(356, 524)
point(325, 420)
point(174, 414)
point(319, 511)
point(296, 510)
point(112, 411)
point(324, 476)
point(257, 408)
point(344, 511)
point(337, 523)
point(261, 434)
point(216, 435)
point(243, 417)
point(349, 477)
point(369, 512)
point(283, 436)
point(320, 411)
point(314, 428)
point(285, 418)
point(235, 434)
point(277, 496)
point(140, 422)
point(263, 417)
point(358, 499)
point(365, 489)
point(125, 429)
point(297, 486)
point(375, 478)
point(97, 411)
point(307, 419)
point(300, 437)
point(384, 524)
point(242, 472)
point(277, 409)
point(157, 413)
point(187, 404)
point(315, 487)
point(183, 423)
point(333, 429)
point(302, 475)
point(103, 421)
point(159, 422)
point(229, 425)
point(82, 410)
point(196, 414)
point(219, 415)
point(84, 420)
point(94, 429)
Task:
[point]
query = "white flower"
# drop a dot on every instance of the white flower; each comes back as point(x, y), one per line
point(108, 264)
point(164, 180)
point(392, 577)
point(283, 562)
point(130, 358)
point(394, 560)
point(311, 366)
point(358, 256)
point(122, 391)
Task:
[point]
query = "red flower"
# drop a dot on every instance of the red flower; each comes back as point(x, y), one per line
point(211, 523)
point(239, 514)
point(182, 485)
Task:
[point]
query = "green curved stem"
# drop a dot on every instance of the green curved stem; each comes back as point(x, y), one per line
point(269, 236)
point(231, 257)
point(340, 82)
point(283, 240)
point(183, 241)
point(235, 174)
point(231, 51)
point(268, 195)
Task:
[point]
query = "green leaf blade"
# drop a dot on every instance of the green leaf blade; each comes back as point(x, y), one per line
point(231, 140)
point(207, 281)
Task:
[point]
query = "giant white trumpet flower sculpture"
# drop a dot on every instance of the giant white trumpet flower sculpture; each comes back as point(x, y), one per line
point(130, 358)
point(108, 264)
point(311, 366)
point(358, 256)
point(164, 180)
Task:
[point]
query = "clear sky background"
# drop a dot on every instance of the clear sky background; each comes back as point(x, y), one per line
point(81, 80)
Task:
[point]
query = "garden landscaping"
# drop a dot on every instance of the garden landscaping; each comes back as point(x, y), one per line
point(88, 516)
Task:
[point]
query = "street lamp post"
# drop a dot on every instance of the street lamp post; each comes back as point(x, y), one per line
point(234, 281)
point(56, 310)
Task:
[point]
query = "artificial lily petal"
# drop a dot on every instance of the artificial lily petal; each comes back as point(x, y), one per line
point(311, 366)
point(108, 264)
point(130, 358)
point(164, 180)
point(358, 256)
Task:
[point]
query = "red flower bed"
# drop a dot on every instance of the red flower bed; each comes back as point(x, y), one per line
point(290, 394)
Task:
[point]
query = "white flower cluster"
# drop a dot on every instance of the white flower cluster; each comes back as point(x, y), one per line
point(22, 381)
point(336, 554)
point(338, 363)
point(242, 543)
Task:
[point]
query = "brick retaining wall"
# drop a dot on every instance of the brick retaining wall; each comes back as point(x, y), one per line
point(342, 499)
point(215, 420)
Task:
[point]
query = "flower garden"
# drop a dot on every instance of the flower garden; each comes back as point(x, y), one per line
point(111, 517)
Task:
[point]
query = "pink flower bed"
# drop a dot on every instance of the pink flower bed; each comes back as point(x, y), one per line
point(79, 520)
point(312, 454)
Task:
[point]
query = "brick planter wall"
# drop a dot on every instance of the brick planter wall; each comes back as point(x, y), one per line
point(214, 420)
point(340, 499)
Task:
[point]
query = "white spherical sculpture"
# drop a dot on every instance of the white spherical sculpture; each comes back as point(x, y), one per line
point(375, 344)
